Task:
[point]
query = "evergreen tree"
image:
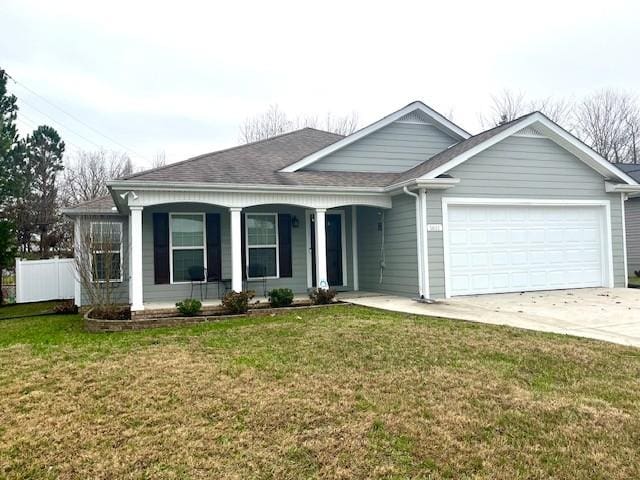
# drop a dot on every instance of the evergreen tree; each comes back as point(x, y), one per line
point(44, 160)
point(11, 156)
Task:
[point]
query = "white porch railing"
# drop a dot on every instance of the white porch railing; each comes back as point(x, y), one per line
point(38, 280)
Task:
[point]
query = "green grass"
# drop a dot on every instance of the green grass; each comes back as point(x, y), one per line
point(24, 309)
point(633, 280)
point(341, 392)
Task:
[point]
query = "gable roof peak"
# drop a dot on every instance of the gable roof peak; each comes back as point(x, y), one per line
point(438, 119)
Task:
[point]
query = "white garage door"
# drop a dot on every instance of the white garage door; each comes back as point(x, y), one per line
point(496, 248)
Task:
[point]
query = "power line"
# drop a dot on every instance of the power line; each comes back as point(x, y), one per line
point(29, 122)
point(60, 123)
point(75, 118)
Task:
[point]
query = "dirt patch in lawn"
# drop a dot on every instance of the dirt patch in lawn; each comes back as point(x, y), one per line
point(327, 393)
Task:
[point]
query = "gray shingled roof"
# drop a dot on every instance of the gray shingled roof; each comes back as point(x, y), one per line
point(631, 169)
point(98, 205)
point(452, 152)
point(259, 163)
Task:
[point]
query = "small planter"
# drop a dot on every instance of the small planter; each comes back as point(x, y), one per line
point(171, 319)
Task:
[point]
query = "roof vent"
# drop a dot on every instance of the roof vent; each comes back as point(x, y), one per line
point(529, 132)
point(416, 116)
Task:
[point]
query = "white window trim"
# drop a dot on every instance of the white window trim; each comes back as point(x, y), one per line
point(247, 246)
point(345, 274)
point(607, 247)
point(172, 248)
point(115, 280)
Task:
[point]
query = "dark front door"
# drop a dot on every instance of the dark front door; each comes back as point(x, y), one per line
point(334, 249)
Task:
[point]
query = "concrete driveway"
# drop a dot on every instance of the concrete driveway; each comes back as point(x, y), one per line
point(606, 314)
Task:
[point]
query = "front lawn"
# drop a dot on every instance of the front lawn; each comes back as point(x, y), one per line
point(22, 309)
point(341, 392)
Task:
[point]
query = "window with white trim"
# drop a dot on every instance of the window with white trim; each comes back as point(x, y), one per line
point(188, 258)
point(106, 251)
point(262, 245)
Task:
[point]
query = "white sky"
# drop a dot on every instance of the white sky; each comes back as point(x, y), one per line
point(181, 76)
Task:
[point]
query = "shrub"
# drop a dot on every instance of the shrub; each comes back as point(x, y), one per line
point(320, 296)
point(237, 302)
point(189, 307)
point(68, 306)
point(281, 297)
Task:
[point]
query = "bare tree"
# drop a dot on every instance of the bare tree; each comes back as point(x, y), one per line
point(86, 174)
point(159, 160)
point(508, 106)
point(275, 122)
point(609, 121)
point(98, 259)
point(265, 125)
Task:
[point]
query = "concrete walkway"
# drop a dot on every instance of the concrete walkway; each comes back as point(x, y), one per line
point(606, 314)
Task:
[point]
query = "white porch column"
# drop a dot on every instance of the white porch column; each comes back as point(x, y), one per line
point(136, 259)
point(236, 249)
point(321, 249)
point(354, 245)
point(77, 245)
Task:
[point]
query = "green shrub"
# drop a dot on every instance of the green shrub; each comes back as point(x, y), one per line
point(189, 307)
point(281, 297)
point(320, 296)
point(237, 302)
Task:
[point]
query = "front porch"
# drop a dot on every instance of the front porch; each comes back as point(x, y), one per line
point(202, 250)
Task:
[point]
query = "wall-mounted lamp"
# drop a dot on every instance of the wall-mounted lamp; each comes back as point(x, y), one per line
point(295, 223)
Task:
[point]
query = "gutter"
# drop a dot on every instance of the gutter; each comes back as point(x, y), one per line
point(611, 187)
point(432, 184)
point(195, 186)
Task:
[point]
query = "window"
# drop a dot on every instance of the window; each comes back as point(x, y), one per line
point(106, 251)
point(187, 247)
point(262, 245)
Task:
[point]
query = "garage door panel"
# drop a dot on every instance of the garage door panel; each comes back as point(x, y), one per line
point(494, 249)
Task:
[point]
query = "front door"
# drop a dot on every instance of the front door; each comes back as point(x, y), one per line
point(334, 249)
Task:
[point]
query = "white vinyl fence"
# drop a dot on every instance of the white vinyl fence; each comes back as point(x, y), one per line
point(38, 280)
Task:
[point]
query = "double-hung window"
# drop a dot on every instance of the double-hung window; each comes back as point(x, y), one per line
point(188, 258)
point(262, 245)
point(106, 251)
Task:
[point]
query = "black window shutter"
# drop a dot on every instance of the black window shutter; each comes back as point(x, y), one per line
point(284, 245)
point(161, 247)
point(244, 246)
point(214, 248)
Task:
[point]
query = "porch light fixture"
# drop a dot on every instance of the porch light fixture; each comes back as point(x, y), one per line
point(295, 223)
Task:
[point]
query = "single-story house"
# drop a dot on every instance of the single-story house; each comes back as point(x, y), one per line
point(632, 220)
point(411, 205)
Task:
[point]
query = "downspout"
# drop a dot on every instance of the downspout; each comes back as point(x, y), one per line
point(419, 240)
point(425, 249)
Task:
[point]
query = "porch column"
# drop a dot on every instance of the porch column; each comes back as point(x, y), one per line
point(136, 259)
point(354, 246)
point(236, 249)
point(321, 249)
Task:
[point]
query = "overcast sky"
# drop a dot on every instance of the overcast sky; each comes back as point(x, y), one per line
point(181, 78)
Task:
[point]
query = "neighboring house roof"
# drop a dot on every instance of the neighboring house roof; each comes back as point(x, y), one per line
point(99, 205)
point(436, 118)
point(631, 169)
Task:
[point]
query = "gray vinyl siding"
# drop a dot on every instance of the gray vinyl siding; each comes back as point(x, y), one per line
point(400, 275)
point(632, 221)
point(120, 289)
point(522, 167)
point(395, 148)
point(297, 283)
